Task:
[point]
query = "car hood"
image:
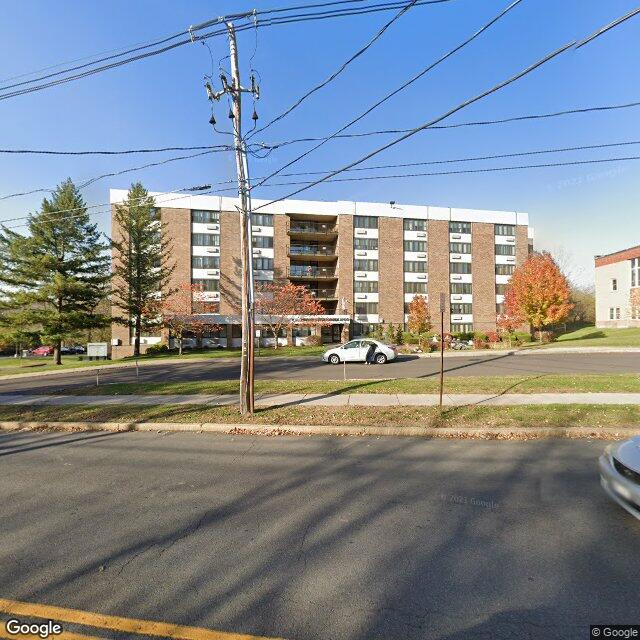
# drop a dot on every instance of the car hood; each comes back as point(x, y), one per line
point(628, 452)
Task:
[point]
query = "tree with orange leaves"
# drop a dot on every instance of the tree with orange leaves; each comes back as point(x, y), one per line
point(181, 312)
point(285, 305)
point(538, 292)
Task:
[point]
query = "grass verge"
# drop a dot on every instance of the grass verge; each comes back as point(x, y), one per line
point(588, 416)
point(594, 337)
point(595, 383)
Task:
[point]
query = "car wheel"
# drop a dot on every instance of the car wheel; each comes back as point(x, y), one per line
point(334, 359)
point(381, 358)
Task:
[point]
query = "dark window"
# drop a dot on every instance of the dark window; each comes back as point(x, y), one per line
point(415, 266)
point(464, 307)
point(460, 267)
point(415, 287)
point(262, 219)
point(500, 289)
point(366, 308)
point(461, 287)
point(365, 286)
point(198, 215)
point(263, 242)
point(505, 250)
point(459, 247)
point(365, 265)
point(415, 245)
point(462, 328)
point(206, 284)
point(504, 269)
point(459, 227)
point(505, 229)
point(264, 264)
point(365, 222)
point(415, 225)
point(205, 262)
point(365, 243)
point(499, 308)
point(236, 331)
point(205, 240)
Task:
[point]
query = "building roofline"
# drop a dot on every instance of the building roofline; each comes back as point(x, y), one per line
point(332, 208)
point(617, 256)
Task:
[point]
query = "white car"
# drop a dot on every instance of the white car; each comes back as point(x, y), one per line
point(356, 351)
point(620, 474)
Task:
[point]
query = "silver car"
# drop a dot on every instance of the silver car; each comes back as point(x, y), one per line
point(620, 474)
point(356, 351)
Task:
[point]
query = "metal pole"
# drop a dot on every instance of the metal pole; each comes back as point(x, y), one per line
point(246, 362)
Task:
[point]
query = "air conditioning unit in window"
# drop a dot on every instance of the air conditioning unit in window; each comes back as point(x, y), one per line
point(422, 276)
point(455, 257)
point(361, 253)
point(213, 250)
point(456, 236)
point(511, 239)
point(360, 275)
point(421, 234)
point(214, 272)
point(454, 277)
point(212, 227)
point(256, 252)
point(256, 228)
point(456, 297)
point(422, 255)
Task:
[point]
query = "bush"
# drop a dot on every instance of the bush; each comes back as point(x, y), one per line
point(478, 343)
point(314, 341)
point(522, 336)
point(480, 335)
point(493, 337)
point(410, 338)
point(157, 348)
point(464, 336)
point(399, 337)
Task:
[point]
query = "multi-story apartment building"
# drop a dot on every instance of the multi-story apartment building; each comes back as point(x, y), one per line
point(363, 261)
point(618, 289)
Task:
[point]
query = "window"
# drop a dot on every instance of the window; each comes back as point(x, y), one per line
point(354, 344)
point(501, 289)
point(459, 247)
point(205, 262)
point(415, 287)
point(370, 244)
point(365, 286)
point(504, 269)
point(198, 215)
point(461, 287)
point(617, 313)
point(611, 313)
point(415, 225)
point(635, 272)
point(263, 264)
point(462, 328)
point(206, 284)
point(262, 219)
point(236, 331)
point(464, 307)
point(262, 242)
point(365, 265)
point(366, 308)
point(365, 222)
point(155, 213)
point(460, 267)
point(505, 229)
point(205, 240)
point(415, 266)
point(415, 245)
point(614, 284)
point(505, 250)
point(499, 308)
point(459, 227)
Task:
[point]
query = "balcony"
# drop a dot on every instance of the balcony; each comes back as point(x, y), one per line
point(323, 294)
point(310, 230)
point(317, 252)
point(309, 272)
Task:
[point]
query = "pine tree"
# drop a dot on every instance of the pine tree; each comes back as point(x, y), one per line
point(142, 264)
point(56, 275)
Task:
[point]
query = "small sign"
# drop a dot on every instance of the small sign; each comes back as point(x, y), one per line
point(442, 302)
point(258, 333)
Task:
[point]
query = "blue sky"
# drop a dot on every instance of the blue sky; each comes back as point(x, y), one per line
point(581, 210)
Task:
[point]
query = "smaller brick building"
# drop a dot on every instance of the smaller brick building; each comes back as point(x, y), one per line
point(618, 289)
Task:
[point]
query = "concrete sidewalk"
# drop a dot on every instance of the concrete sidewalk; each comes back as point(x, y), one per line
point(327, 400)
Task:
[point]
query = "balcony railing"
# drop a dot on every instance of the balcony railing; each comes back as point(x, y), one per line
point(310, 250)
point(323, 294)
point(319, 228)
point(311, 272)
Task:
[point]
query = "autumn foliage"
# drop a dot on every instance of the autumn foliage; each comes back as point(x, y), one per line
point(538, 294)
point(419, 320)
point(280, 305)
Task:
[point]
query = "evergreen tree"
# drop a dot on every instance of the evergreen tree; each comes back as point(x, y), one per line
point(55, 276)
point(142, 265)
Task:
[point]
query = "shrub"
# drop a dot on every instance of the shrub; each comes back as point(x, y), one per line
point(493, 337)
point(157, 348)
point(313, 341)
point(480, 335)
point(464, 336)
point(522, 336)
point(478, 343)
point(409, 338)
point(399, 337)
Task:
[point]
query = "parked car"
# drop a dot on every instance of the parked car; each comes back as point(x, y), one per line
point(620, 474)
point(42, 351)
point(356, 351)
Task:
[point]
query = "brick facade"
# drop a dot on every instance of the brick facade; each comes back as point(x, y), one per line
point(177, 225)
point(391, 270)
point(230, 263)
point(280, 243)
point(522, 244)
point(345, 262)
point(483, 276)
point(438, 270)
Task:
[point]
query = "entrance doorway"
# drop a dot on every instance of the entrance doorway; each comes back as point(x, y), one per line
point(332, 334)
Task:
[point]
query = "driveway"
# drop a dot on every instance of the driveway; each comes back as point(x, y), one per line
point(311, 368)
point(318, 538)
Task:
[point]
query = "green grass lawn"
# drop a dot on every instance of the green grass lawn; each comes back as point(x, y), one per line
point(624, 382)
point(12, 366)
point(263, 352)
point(587, 416)
point(593, 337)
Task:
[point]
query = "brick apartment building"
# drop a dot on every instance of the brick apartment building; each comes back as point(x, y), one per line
point(363, 261)
point(618, 289)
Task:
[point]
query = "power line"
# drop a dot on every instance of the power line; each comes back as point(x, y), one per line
point(102, 152)
point(338, 71)
point(406, 84)
point(459, 107)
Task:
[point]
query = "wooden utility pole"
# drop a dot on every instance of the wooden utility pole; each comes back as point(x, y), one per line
point(235, 90)
point(442, 309)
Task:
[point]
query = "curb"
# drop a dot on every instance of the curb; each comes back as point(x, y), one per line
point(482, 433)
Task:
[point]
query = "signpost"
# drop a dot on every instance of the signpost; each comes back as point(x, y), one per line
point(443, 301)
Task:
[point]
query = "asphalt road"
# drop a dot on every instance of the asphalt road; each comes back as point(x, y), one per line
point(318, 538)
point(312, 368)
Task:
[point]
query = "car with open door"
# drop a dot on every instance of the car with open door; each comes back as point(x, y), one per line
point(356, 351)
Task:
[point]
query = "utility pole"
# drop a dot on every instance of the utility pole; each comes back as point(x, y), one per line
point(442, 310)
point(235, 90)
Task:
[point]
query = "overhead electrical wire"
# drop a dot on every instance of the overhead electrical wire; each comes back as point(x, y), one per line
point(542, 61)
point(122, 152)
point(403, 86)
